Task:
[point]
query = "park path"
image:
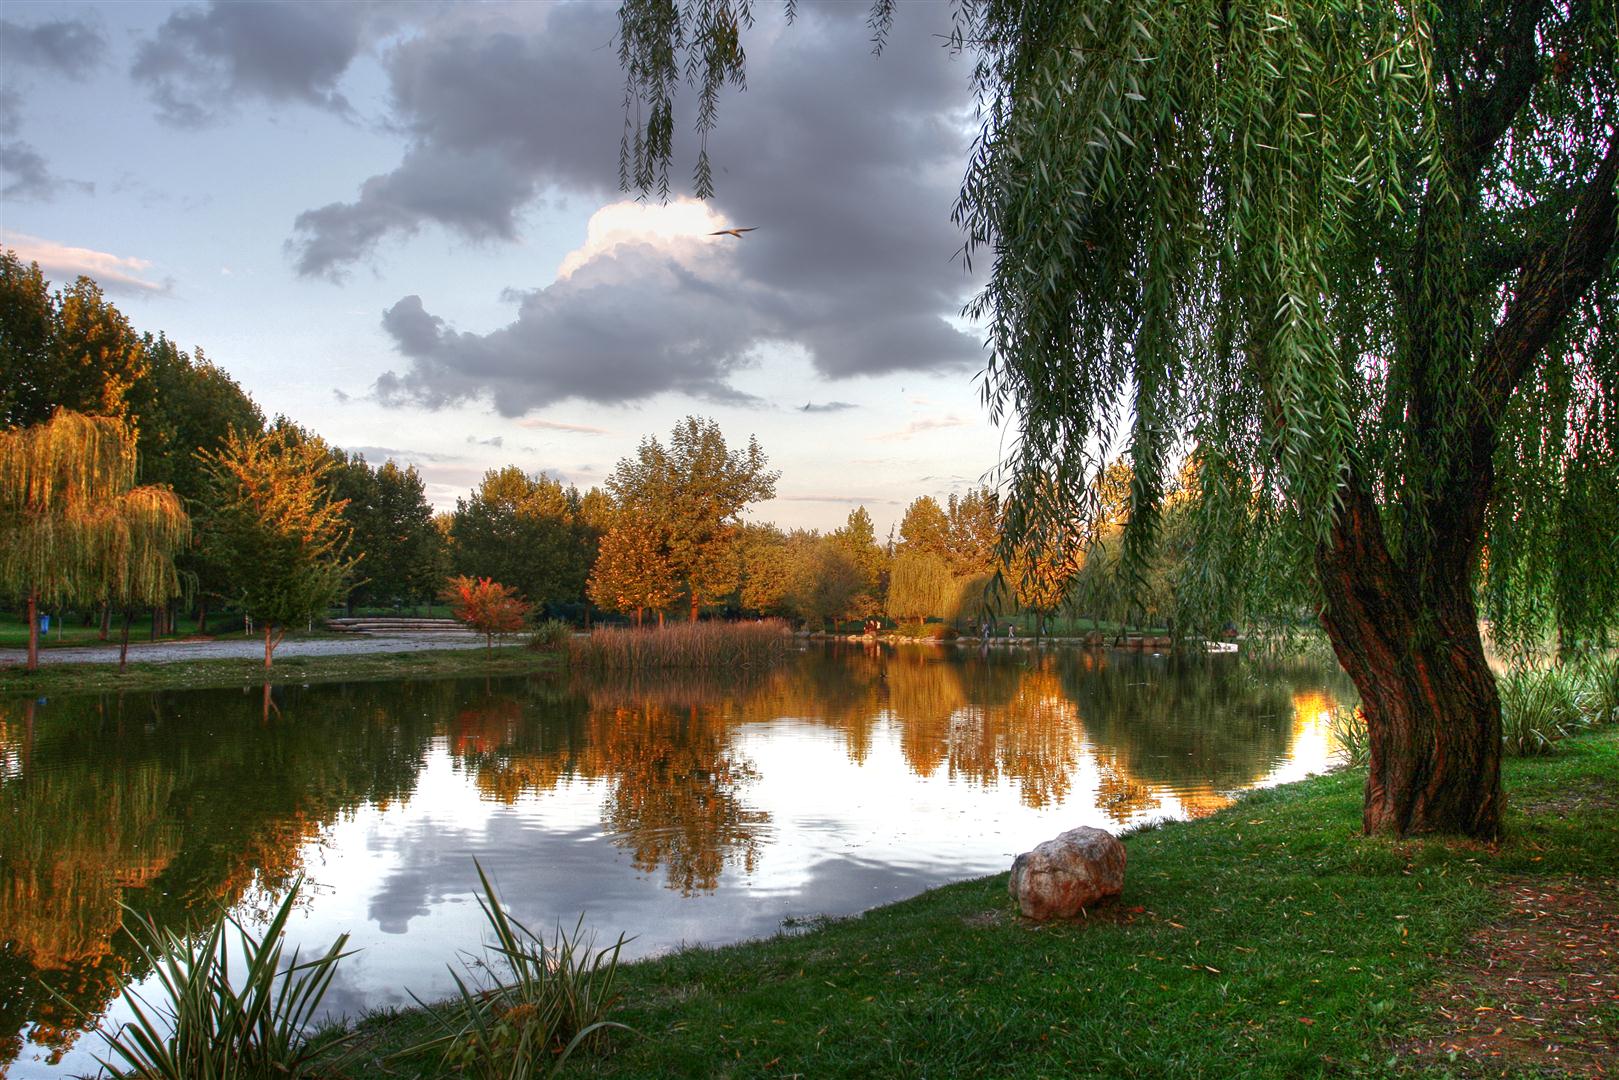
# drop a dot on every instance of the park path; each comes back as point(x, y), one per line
point(245, 648)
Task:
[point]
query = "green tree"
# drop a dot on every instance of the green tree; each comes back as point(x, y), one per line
point(74, 528)
point(693, 493)
point(830, 585)
point(523, 530)
point(857, 540)
point(275, 528)
point(70, 349)
point(1359, 255)
point(767, 568)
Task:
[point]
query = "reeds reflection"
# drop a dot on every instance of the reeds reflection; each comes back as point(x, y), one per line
point(171, 802)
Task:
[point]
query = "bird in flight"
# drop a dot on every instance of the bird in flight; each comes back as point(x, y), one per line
point(733, 232)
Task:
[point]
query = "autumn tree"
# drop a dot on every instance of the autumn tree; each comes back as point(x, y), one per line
point(856, 541)
point(925, 527)
point(1358, 256)
point(973, 531)
point(632, 573)
point(487, 606)
point(276, 529)
point(74, 528)
point(692, 494)
point(768, 562)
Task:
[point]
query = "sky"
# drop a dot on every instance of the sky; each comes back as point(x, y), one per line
point(399, 223)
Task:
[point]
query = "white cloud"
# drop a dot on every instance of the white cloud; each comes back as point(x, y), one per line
point(113, 273)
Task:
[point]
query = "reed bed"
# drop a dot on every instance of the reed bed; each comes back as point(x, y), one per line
point(694, 646)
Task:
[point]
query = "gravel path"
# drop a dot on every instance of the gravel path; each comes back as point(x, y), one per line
point(245, 648)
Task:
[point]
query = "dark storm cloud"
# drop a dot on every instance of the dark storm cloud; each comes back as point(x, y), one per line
point(846, 163)
point(204, 58)
point(70, 46)
point(28, 178)
point(623, 327)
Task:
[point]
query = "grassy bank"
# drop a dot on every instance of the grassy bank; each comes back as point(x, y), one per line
point(358, 667)
point(1268, 940)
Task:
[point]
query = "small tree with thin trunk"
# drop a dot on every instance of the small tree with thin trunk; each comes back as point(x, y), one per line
point(73, 527)
point(487, 606)
point(275, 528)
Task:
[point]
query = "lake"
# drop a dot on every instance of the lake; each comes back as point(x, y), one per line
point(675, 809)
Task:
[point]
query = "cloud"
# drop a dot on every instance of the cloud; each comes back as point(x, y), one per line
point(383, 453)
point(69, 46)
point(555, 425)
point(10, 110)
point(494, 440)
point(852, 500)
point(827, 406)
point(29, 177)
point(114, 273)
point(205, 58)
point(645, 318)
point(847, 165)
point(919, 427)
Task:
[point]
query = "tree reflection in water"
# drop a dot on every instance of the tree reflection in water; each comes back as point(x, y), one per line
point(172, 802)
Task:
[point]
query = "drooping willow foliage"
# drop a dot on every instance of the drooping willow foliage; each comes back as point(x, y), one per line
point(1327, 251)
point(73, 527)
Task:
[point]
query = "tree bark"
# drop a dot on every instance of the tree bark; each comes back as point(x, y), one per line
point(271, 640)
point(202, 616)
point(106, 620)
point(32, 610)
point(123, 643)
point(1433, 715)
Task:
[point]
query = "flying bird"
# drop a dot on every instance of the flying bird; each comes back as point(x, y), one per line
point(733, 232)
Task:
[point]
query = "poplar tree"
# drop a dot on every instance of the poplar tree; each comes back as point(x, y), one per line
point(74, 528)
point(1356, 258)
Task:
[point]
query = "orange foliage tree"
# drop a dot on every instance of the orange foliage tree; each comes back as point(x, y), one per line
point(486, 605)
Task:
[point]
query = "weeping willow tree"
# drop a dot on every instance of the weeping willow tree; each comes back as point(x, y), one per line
point(73, 527)
point(1354, 258)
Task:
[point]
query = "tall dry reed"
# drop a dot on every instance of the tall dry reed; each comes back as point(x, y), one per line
point(704, 645)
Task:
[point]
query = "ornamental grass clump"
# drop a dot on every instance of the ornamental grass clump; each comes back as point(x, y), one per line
point(1538, 707)
point(712, 645)
point(550, 636)
point(226, 1006)
point(527, 1005)
point(1347, 729)
point(1599, 694)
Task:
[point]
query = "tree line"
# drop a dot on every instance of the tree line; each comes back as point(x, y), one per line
point(138, 475)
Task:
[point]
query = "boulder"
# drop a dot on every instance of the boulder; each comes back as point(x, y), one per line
point(1062, 877)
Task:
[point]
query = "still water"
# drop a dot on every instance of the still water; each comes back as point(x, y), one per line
point(673, 810)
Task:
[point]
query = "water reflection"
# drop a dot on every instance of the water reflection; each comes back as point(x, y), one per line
point(170, 803)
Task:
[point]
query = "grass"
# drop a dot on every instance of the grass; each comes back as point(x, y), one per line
point(354, 667)
point(1270, 940)
point(702, 645)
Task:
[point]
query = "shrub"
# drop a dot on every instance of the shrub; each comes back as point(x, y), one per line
point(208, 1023)
point(487, 606)
point(535, 1004)
point(552, 635)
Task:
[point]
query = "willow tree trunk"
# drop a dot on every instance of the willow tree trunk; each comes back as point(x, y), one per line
point(32, 612)
point(1411, 644)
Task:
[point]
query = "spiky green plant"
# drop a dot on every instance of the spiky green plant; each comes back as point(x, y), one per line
point(1348, 731)
point(533, 1004)
point(227, 1007)
point(1599, 692)
point(552, 635)
point(1538, 707)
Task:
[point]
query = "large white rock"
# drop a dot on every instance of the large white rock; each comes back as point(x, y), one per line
point(1062, 877)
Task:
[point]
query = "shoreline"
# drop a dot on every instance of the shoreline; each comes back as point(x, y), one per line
point(1269, 939)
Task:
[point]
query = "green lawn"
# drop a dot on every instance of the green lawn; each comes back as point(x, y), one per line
point(1270, 940)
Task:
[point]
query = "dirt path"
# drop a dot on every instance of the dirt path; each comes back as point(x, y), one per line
point(244, 648)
